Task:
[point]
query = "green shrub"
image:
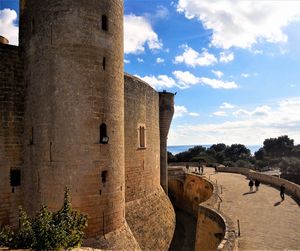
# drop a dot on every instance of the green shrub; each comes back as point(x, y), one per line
point(47, 231)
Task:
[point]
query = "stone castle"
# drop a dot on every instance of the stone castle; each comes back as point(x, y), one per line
point(71, 117)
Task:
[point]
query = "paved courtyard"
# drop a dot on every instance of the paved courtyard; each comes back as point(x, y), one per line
point(266, 223)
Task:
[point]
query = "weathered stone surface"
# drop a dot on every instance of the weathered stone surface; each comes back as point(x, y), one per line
point(11, 130)
point(152, 220)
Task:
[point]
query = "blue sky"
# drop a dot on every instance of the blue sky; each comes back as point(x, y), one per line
point(235, 65)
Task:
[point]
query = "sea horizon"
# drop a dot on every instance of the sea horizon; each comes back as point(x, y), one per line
point(182, 148)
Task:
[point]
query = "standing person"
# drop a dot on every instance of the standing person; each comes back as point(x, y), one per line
point(256, 183)
point(251, 185)
point(282, 190)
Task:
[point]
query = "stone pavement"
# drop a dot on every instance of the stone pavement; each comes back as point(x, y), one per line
point(265, 223)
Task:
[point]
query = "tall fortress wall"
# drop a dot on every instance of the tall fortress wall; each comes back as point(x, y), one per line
point(74, 79)
point(67, 119)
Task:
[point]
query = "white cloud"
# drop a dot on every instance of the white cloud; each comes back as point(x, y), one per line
point(140, 60)
point(220, 113)
point(8, 27)
point(259, 111)
point(181, 111)
point(226, 105)
point(242, 23)
point(137, 33)
point(192, 58)
point(282, 119)
point(226, 57)
point(194, 114)
point(126, 61)
point(187, 79)
point(159, 82)
point(218, 74)
point(160, 60)
point(218, 84)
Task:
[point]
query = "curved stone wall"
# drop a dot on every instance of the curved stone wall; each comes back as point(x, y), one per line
point(149, 212)
point(142, 173)
point(198, 196)
point(74, 77)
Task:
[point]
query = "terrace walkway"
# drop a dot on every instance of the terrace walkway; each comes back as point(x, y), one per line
point(265, 223)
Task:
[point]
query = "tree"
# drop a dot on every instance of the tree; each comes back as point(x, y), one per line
point(236, 152)
point(280, 146)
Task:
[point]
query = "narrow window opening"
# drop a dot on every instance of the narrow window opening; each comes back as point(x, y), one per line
point(50, 151)
point(103, 63)
point(15, 177)
point(142, 136)
point(103, 134)
point(104, 23)
point(103, 176)
point(31, 138)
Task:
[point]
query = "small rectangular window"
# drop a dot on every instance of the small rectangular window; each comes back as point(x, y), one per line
point(104, 23)
point(15, 177)
point(142, 137)
point(103, 63)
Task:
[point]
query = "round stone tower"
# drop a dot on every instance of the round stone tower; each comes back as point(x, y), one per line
point(74, 115)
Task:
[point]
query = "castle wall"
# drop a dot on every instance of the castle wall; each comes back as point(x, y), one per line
point(74, 74)
point(141, 163)
point(11, 129)
point(149, 212)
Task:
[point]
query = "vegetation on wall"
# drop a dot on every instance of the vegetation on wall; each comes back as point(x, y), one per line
point(276, 153)
point(47, 230)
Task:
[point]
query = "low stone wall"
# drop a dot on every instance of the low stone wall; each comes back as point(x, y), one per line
point(189, 194)
point(198, 196)
point(152, 220)
point(291, 188)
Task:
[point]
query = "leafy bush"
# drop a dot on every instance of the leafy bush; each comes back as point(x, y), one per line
point(47, 231)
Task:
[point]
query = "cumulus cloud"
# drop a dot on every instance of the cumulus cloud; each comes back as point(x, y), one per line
point(159, 82)
point(282, 119)
point(138, 33)
point(186, 79)
point(180, 111)
point(226, 57)
point(242, 23)
point(218, 74)
point(226, 105)
point(160, 60)
point(192, 58)
point(8, 26)
point(126, 61)
point(140, 60)
point(219, 84)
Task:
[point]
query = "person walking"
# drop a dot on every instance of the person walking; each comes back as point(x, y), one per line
point(282, 190)
point(256, 183)
point(251, 185)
